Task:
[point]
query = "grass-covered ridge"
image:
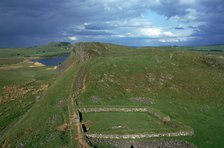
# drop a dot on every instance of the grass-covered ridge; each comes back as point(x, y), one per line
point(179, 82)
point(186, 86)
point(153, 73)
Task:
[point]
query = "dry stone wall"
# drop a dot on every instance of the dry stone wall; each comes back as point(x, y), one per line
point(140, 136)
point(141, 144)
point(151, 111)
point(95, 110)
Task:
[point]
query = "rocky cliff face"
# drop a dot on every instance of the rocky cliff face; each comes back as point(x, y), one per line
point(87, 51)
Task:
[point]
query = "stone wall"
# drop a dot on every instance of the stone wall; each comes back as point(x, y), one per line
point(95, 110)
point(140, 136)
point(162, 117)
point(140, 144)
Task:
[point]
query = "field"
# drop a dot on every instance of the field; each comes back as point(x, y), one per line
point(183, 90)
point(127, 123)
point(20, 89)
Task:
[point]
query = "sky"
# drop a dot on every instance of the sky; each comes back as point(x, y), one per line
point(128, 22)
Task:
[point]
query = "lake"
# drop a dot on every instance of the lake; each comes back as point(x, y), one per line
point(52, 61)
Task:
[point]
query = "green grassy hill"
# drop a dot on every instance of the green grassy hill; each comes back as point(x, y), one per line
point(181, 83)
point(186, 86)
point(50, 49)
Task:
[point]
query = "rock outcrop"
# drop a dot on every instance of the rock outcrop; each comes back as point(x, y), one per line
point(87, 51)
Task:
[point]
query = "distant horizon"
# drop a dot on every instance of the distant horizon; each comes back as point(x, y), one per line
point(135, 46)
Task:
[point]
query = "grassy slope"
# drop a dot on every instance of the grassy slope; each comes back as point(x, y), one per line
point(38, 126)
point(180, 84)
point(20, 78)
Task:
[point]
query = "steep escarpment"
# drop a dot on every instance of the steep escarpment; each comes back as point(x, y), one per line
point(86, 51)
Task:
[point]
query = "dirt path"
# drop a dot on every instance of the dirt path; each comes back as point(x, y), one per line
point(77, 89)
point(74, 121)
point(80, 137)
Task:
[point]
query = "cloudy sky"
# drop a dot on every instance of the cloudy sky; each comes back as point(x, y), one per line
point(128, 22)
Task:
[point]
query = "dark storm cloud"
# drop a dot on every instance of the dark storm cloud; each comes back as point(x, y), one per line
point(211, 16)
point(170, 8)
point(28, 22)
point(99, 26)
point(38, 18)
point(29, 19)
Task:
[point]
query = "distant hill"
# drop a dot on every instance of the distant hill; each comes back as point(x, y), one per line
point(50, 49)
